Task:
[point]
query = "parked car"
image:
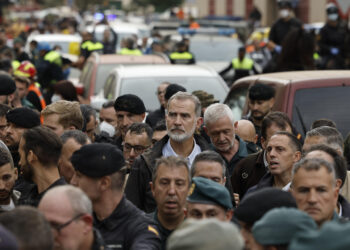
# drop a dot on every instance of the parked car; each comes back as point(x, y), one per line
point(304, 95)
point(143, 81)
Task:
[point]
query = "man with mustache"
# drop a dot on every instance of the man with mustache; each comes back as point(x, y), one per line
point(170, 184)
point(260, 103)
point(182, 119)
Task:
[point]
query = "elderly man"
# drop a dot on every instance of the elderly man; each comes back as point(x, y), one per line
point(170, 185)
point(100, 173)
point(208, 199)
point(314, 189)
point(182, 119)
point(68, 204)
point(219, 125)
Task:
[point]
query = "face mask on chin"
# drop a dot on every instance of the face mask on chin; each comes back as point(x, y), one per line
point(108, 128)
point(332, 17)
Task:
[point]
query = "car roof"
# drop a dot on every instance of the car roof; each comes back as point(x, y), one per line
point(55, 37)
point(139, 71)
point(126, 59)
point(297, 76)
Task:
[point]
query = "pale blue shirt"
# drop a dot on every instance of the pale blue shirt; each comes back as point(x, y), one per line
point(169, 151)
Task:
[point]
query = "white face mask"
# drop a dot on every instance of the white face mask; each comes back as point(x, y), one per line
point(284, 13)
point(108, 128)
point(55, 98)
point(333, 17)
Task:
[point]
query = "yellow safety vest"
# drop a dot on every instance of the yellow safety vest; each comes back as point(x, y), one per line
point(91, 46)
point(134, 52)
point(246, 64)
point(15, 64)
point(181, 56)
point(53, 57)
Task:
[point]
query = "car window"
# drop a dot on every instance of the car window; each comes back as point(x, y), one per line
point(109, 88)
point(145, 88)
point(101, 76)
point(85, 77)
point(236, 101)
point(331, 103)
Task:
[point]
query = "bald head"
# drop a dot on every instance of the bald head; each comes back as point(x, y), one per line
point(245, 130)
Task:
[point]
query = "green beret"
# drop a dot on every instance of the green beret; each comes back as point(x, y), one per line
point(98, 159)
point(333, 235)
point(206, 191)
point(206, 234)
point(279, 225)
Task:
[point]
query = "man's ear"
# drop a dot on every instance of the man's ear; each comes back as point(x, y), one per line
point(88, 222)
point(199, 122)
point(272, 102)
point(31, 156)
point(152, 187)
point(105, 183)
point(338, 183)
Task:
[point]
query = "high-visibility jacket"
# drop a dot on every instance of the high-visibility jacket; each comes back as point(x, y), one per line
point(245, 64)
point(126, 51)
point(53, 57)
point(181, 58)
point(92, 46)
point(36, 90)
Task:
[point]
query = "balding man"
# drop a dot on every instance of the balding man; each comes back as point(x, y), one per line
point(68, 204)
point(246, 131)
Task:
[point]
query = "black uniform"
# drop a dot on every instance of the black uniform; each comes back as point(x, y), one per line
point(98, 243)
point(155, 116)
point(281, 28)
point(164, 233)
point(128, 228)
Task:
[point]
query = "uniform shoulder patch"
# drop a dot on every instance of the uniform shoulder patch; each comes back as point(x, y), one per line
point(152, 229)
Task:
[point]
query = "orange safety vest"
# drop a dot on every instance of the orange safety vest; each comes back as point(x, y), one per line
point(37, 91)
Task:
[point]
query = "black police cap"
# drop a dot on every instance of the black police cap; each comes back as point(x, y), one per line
point(130, 103)
point(23, 117)
point(98, 159)
point(172, 89)
point(260, 91)
point(7, 84)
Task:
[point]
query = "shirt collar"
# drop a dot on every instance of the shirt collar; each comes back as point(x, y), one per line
point(169, 151)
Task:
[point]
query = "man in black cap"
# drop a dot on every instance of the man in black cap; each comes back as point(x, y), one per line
point(208, 199)
point(255, 205)
point(7, 89)
point(39, 151)
point(19, 120)
point(100, 173)
point(182, 119)
point(129, 109)
point(260, 103)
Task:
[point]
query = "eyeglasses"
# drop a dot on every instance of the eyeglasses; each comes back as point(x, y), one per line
point(137, 148)
point(59, 227)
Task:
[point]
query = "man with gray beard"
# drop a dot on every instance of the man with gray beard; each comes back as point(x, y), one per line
point(182, 119)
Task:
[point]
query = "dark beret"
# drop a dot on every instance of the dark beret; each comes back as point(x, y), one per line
point(206, 191)
point(172, 89)
point(7, 85)
point(261, 91)
point(254, 205)
point(23, 117)
point(130, 103)
point(98, 159)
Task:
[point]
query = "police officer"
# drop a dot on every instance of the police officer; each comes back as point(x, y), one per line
point(129, 48)
point(100, 174)
point(88, 46)
point(332, 40)
point(182, 55)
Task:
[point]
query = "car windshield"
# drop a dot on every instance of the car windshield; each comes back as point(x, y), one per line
point(236, 101)
point(215, 49)
point(101, 76)
point(147, 89)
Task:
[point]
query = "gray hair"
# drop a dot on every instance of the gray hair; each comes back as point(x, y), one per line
point(79, 201)
point(217, 111)
point(77, 135)
point(332, 136)
point(187, 96)
point(208, 156)
point(172, 162)
point(314, 165)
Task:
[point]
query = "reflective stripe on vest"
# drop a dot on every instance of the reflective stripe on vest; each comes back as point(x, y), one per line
point(181, 56)
point(133, 52)
point(53, 57)
point(37, 91)
point(246, 64)
point(91, 46)
point(15, 65)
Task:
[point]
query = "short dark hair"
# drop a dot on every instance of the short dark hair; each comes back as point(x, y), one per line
point(210, 156)
point(4, 109)
point(109, 104)
point(260, 91)
point(87, 111)
point(27, 223)
point(293, 140)
point(277, 118)
point(172, 89)
point(140, 128)
point(44, 143)
point(5, 157)
point(78, 136)
point(160, 126)
point(66, 89)
point(340, 167)
point(171, 161)
point(323, 122)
